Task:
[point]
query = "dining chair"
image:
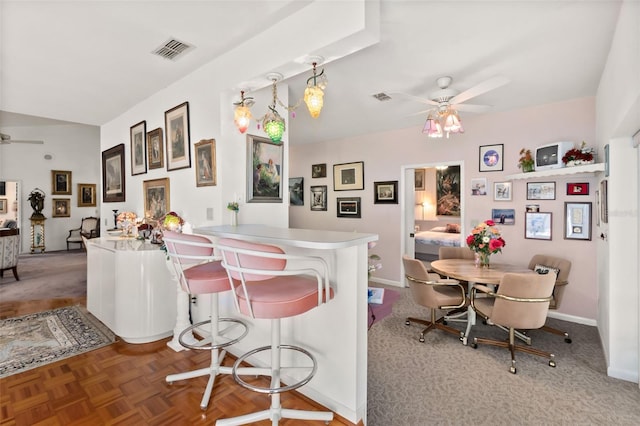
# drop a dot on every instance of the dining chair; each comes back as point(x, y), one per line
point(520, 302)
point(433, 292)
point(199, 272)
point(457, 315)
point(273, 285)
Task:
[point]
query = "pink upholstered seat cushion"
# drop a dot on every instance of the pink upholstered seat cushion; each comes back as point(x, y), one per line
point(280, 297)
point(206, 278)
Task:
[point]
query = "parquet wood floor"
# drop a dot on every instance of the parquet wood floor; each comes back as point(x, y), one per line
point(124, 384)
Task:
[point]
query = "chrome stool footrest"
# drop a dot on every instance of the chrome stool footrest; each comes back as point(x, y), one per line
point(222, 334)
point(280, 389)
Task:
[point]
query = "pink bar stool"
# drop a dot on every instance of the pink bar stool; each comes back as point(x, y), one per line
point(199, 272)
point(269, 284)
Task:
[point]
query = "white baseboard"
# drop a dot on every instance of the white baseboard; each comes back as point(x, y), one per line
point(627, 375)
point(385, 282)
point(572, 318)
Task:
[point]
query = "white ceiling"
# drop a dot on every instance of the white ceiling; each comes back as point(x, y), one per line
point(89, 61)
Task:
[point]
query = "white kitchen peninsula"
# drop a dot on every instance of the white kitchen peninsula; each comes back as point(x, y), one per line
point(336, 333)
point(130, 289)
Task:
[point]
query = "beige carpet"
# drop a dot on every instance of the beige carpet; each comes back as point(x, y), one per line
point(442, 382)
point(50, 275)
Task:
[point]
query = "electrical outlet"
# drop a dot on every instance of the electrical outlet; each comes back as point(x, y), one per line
point(194, 300)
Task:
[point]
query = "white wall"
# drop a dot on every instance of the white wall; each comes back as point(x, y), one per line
point(75, 148)
point(385, 153)
point(618, 118)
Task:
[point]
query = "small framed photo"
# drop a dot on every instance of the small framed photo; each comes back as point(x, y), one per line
point(578, 188)
point(138, 134)
point(418, 184)
point(3, 205)
point(533, 208)
point(318, 171)
point(479, 186)
point(491, 158)
point(296, 191)
point(504, 216)
point(537, 226)
point(348, 176)
point(176, 123)
point(156, 198)
point(61, 207)
point(205, 162)
point(60, 182)
point(113, 183)
point(319, 198)
point(155, 149)
point(349, 207)
point(502, 191)
point(385, 192)
point(604, 207)
point(577, 221)
point(541, 190)
point(264, 168)
point(86, 195)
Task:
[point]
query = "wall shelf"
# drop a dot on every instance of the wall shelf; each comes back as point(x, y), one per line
point(587, 168)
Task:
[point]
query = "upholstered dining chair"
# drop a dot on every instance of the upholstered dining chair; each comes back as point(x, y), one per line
point(270, 284)
point(433, 292)
point(199, 272)
point(560, 268)
point(455, 253)
point(521, 302)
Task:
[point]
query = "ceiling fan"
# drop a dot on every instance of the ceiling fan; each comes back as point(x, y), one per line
point(6, 139)
point(447, 97)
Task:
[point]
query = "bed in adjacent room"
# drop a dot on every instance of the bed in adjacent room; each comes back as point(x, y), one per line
point(428, 243)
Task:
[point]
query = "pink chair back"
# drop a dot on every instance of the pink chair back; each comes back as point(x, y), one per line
point(249, 261)
point(199, 249)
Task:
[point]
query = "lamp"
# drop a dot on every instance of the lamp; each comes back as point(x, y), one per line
point(272, 123)
point(447, 120)
point(242, 113)
point(314, 94)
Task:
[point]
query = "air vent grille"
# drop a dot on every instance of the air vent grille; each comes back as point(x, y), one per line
point(172, 49)
point(382, 97)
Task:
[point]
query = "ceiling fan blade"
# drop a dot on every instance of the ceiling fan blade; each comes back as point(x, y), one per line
point(415, 98)
point(492, 83)
point(472, 107)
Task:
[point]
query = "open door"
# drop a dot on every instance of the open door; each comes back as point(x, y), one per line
point(408, 242)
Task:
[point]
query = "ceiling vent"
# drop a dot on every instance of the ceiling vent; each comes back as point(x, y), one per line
point(172, 49)
point(382, 97)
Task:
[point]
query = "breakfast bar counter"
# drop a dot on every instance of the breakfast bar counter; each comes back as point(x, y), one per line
point(336, 332)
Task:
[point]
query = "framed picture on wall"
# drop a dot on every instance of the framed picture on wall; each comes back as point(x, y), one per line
point(318, 171)
point(319, 198)
point(578, 188)
point(491, 158)
point(348, 176)
point(3, 205)
point(502, 191)
point(138, 134)
point(385, 192)
point(349, 207)
point(206, 162)
point(156, 197)
point(176, 124)
point(448, 191)
point(418, 180)
point(577, 221)
point(61, 207)
point(113, 183)
point(541, 190)
point(537, 226)
point(60, 182)
point(264, 168)
point(155, 149)
point(504, 216)
point(296, 191)
point(479, 186)
point(86, 195)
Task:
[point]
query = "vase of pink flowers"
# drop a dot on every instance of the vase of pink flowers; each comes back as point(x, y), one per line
point(485, 240)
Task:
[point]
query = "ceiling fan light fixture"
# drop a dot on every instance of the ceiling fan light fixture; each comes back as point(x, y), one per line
point(452, 122)
point(314, 93)
point(432, 128)
point(242, 113)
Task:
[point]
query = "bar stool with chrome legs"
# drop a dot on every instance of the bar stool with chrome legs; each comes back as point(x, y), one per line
point(270, 284)
point(199, 272)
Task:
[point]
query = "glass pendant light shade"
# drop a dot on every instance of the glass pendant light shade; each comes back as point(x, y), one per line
point(273, 126)
point(432, 128)
point(313, 97)
point(242, 118)
point(452, 122)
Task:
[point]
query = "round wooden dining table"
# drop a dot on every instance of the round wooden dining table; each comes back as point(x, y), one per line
point(466, 270)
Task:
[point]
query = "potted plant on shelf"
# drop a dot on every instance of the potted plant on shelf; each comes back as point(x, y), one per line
point(526, 162)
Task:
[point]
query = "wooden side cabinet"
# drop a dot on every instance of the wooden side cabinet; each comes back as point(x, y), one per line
point(37, 235)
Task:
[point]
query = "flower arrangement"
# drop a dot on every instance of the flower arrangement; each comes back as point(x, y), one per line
point(171, 221)
point(126, 217)
point(577, 156)
point(233, 206)
point(374, 262)
point(485, 240)
point(526, 160)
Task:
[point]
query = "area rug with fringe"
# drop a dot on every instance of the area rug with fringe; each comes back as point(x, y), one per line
point(33, 340)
